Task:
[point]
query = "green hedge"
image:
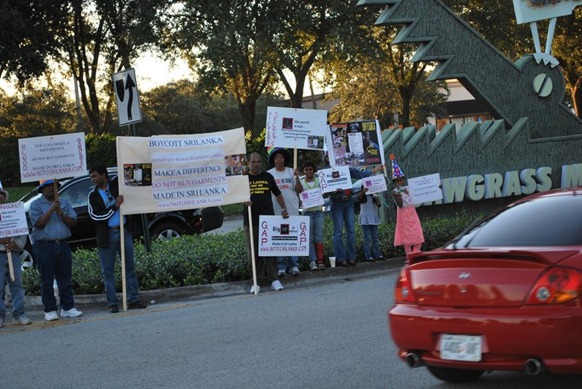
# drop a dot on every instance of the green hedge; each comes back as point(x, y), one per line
point(211, 258)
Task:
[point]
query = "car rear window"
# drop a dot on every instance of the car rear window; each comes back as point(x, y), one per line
point(547, 221)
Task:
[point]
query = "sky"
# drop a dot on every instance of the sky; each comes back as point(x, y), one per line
point(150, 71)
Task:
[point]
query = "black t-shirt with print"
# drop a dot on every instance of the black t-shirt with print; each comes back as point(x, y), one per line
point(261, 186)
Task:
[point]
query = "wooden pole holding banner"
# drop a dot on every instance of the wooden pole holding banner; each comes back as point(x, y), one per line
point(10, 265)
point(294, 159)
point(122, 242)
point(252, 241)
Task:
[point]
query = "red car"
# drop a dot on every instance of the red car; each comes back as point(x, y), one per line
point(506, 294)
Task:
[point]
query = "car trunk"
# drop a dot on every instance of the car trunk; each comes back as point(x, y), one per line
point(478, 278)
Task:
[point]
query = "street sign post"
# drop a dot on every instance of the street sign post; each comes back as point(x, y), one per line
point(127, 97)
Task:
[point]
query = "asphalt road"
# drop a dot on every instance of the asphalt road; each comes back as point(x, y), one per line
point(325, 330)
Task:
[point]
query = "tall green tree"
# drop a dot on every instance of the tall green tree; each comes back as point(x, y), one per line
point(102, 38)
point(28, 36)
point(307, 31)
point(227, 41)
point(374, 79)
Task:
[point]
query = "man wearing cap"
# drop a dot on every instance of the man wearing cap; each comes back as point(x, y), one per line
point(286, 180)
point(52, 220)
point(261, 185)
point(12, 244)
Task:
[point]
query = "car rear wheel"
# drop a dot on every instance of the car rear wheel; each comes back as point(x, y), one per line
point(167, 231)
point(454, 375)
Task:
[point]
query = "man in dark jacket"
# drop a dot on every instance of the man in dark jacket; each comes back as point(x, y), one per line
point(104, 202)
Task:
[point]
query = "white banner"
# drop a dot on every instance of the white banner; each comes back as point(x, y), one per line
point(281, 237)
point(48, 157)
point(425, 189)
point(295, 128)
point(173, 172)
point(333, 179)
point(13, 220)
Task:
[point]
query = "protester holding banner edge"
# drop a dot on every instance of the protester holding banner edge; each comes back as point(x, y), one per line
point(103, 206)
point(261, 185)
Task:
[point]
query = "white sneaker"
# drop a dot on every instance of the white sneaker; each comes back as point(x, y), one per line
point(22, 319)
point(276, 285)
point(73, 312)
point(255, 289)
point(51, 316)
point(313, 266)
point(281, 273)
point(295, 271)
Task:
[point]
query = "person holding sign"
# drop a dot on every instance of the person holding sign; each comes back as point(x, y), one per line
point(309, 182)
point(342, 214)
point(285, 178)
point(13, 244)
point(369, 220)
point(262, 185)
point(408, 232)
point(104, 203)
point(52, 220)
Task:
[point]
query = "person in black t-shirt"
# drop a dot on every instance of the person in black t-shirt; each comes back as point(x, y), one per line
point(261, 185)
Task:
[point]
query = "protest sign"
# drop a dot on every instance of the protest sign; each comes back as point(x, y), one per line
point(311, 198)
point(49, 157)
point(425, 189)
point(335, 178)
point(527, 11)
point(375, 184)
point(295, 128)
point(280, 237)
point(355, 144)
point(13, 220)
point(173, 172)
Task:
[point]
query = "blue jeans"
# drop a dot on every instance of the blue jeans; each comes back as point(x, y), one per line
point(55, 261)
point(284, 262)
point(371, 241)
point(315, 231)
point(107, 256)
point(342, 215)
point(16, 289)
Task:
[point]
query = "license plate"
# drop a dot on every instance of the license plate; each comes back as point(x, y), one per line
point(461, 347)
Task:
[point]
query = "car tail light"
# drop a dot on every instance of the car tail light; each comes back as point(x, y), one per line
point(403, 289)
point(556, 285)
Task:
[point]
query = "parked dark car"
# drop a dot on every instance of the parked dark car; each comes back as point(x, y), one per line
point(162, 225)
point(506, 294)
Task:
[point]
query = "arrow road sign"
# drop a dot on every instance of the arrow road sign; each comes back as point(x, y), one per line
point(127, 96)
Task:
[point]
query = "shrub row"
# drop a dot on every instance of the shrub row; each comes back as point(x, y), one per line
point(212, 258)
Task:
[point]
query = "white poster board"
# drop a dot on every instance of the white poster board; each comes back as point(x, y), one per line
point(335, 178)
point(311, 198)
point(174, 172)
point(527, 11)
point(425, 189)
point(295, 128)
point(13, 220)
point(49, 157)
point(280, 237)
point(375, 184)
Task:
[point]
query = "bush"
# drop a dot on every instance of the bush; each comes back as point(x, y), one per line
point(211, 258)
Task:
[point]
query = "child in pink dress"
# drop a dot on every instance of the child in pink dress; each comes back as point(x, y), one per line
point(408, 231)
